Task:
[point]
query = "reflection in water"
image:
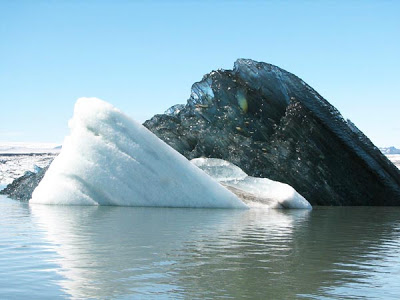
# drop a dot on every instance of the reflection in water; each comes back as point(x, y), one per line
point(106, 252)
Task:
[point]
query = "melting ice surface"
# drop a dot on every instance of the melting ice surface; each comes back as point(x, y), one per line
point(255, 192)
point(109, 159)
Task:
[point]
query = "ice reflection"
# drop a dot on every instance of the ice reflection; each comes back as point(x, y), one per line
point(120, 252)
point(111, 251)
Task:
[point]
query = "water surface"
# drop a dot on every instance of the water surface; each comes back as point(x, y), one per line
point(55, 252)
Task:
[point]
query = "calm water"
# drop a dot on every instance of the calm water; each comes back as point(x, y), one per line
point(49, 252)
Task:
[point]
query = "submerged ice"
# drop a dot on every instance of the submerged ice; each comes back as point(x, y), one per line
point(255, 192)
point(109, 159)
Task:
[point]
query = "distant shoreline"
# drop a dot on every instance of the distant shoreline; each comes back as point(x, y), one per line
point(28, 153)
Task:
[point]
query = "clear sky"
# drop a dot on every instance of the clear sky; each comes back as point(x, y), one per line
point(143, 56)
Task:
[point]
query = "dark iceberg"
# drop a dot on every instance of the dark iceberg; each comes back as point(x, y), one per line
point(23, 187)
point(271, 124)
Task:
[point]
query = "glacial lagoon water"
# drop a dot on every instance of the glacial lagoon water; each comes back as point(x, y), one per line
point(63, 252)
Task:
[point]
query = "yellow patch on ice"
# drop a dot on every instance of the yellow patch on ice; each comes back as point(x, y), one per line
point(242, 101)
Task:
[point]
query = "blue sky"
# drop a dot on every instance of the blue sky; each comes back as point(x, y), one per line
point(143, 56)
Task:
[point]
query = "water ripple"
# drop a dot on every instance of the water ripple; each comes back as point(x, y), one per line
point(49, 252)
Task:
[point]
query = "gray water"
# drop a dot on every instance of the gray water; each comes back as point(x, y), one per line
point(51, 252)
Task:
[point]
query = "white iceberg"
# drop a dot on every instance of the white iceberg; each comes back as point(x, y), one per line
point(255, 192)
point(109, 159)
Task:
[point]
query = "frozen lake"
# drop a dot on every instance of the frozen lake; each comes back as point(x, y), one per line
point(56, 252)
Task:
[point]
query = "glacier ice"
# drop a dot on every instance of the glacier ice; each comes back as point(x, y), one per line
point(255, 192)
point(109, 159)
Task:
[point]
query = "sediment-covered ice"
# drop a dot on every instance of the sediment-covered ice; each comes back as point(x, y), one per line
point(255, 192)
point(109, 159)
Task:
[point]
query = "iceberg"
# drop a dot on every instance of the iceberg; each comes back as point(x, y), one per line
point(109, 159)
point(255, 192)
point(271, 124)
